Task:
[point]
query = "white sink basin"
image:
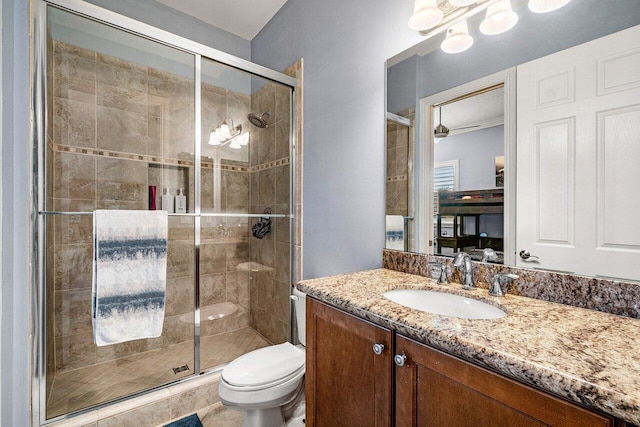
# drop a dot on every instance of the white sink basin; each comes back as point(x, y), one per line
point(444, 304)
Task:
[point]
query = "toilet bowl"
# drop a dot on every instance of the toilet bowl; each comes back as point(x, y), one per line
point(264, 383)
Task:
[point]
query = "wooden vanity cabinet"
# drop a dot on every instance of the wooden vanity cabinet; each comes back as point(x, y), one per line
point(347, 383)
point(437, 389)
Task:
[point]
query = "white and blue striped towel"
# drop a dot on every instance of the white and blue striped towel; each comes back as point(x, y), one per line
point(395, 232)
point(129, 275)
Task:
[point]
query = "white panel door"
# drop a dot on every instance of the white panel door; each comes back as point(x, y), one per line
point(578, 158)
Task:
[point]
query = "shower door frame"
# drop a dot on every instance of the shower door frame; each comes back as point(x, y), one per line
point(39, 125)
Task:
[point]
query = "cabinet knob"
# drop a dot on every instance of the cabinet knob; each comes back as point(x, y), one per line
point(378, 348)
point(400, 359)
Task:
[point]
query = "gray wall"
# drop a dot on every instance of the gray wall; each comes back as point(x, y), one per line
point(344, 45)
point(16, 148)
point(14, 353)
point(402, 79)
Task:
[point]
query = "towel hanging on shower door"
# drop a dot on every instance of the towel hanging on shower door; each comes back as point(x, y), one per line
point(129, 275)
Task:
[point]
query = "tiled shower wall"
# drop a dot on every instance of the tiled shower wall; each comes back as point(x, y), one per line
point(119, 127)
point(399, 146)
point(270, 189)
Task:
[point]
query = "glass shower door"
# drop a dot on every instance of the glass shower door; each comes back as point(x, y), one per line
point(244, 252)
point(121, 114)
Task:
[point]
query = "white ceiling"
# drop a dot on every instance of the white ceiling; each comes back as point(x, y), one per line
point(482, 110)
point(244, 18)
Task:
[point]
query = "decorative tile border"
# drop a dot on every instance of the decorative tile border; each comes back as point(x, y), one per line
point(165, 161)
point(280, 162)
point(609, 296)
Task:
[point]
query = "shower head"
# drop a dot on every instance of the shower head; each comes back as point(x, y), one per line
point(259, 120)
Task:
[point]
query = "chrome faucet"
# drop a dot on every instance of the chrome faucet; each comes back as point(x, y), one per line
point(441, 269)
point(462, 262)
point(500, 280)
point(489, 254)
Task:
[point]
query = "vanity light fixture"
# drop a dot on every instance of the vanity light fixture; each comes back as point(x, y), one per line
point(461, 3)
point(226, 133)
point(544, 6)
point(458, 38)
point(426, 15)
point(500, 18)
point(432, 17)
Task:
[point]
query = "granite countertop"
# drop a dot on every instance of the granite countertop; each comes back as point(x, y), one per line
point(583, 355)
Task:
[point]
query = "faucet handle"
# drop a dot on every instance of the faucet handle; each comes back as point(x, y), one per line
point(499, 280)
point(442, 270)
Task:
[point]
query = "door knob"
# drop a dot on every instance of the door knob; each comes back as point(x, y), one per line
point(378, 348)
point(525, 255)
point(400, 359)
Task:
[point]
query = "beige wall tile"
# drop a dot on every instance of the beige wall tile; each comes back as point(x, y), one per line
point(180, 261)
point(213, 258)
point(74, 351)
point(74, 176)
point(179, 296)
point(72, 311)
point(267, 145)
point(282, 257)
point(282, 136)
point(267, 187)
point(283, 183)
point(213, 289)
point(121, 180)
point(73, 265)
point(120, 130)
point(74, 123)
point(151, 414)
point(190, 401)
point(120, 73)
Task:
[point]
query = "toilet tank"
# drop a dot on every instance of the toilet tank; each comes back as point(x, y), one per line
point(300, 307)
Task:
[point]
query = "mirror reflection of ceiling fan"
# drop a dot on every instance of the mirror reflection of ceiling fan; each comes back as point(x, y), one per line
point(441, 131)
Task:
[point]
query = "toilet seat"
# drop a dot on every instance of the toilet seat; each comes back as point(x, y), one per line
point(264, 368)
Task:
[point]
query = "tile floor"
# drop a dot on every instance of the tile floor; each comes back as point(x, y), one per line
point(91, 385)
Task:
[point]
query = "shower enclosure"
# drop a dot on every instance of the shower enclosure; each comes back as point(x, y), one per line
point(122, 113)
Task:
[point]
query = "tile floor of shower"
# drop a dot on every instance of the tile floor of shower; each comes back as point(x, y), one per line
point(80, 388)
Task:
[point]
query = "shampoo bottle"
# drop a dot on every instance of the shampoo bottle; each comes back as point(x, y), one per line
point(181, 202)
point(167, 201)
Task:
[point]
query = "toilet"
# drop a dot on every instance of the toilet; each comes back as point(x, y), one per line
point(268, 383)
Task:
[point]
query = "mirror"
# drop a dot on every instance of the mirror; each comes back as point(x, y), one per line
point(430, 82)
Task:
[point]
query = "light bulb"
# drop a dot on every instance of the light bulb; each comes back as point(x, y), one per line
point(425, 15)
point(544, 6)
point(461, 3)
point(235, 145)
point(458, 38)
point(499, 18)
point(243, 139)
point(224, 131)
point(213, 140)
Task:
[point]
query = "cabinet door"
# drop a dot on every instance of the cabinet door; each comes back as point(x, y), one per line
point(436, 389)
point(347, 384)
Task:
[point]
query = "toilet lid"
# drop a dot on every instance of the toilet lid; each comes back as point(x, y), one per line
point(264, 366)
